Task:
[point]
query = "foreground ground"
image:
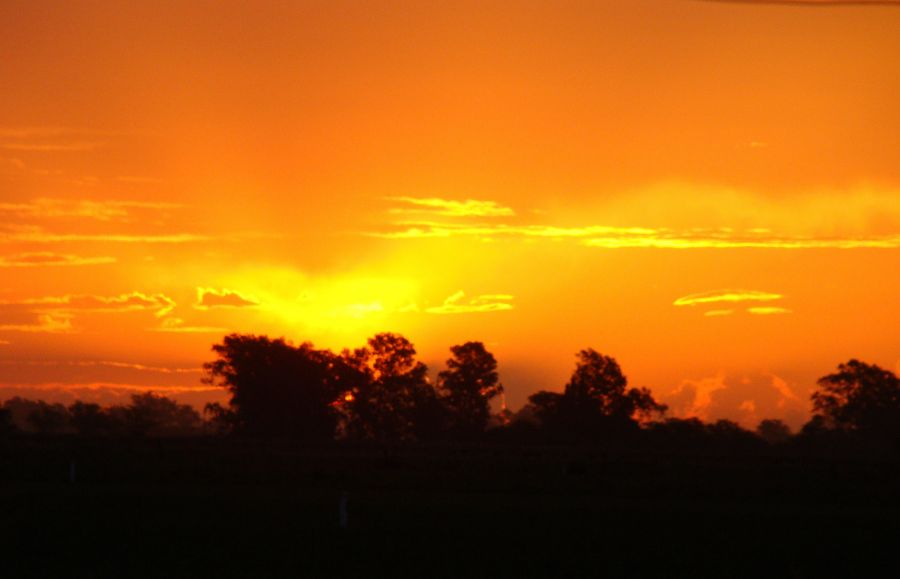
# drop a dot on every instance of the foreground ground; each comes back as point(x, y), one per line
point(205, 508)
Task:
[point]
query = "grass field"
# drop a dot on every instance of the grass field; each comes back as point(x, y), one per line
point(208, 508)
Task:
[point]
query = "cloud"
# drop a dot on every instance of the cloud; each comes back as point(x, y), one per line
point(726, 296)
point(451, 208)
point(101, 363)
point(110, 210)
point(718, 313)
point(42, 323)
point(177, 326)
point(691, 241)
point(222, 298)
point(38, 235)
point(693, 398)
point(49, 139)
point(51, 147)
point(677, 215)
point(609, 237)
point(767, 311)
point(454, 304)
point(31, 132)
point(426, 229)
point(134, 301)
point(55, 314)
point(745, 398)
point(44, 259)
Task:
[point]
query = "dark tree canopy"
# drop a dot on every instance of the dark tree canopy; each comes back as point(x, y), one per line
point(278, 389)
point(152, 414)
point(598, 380)
point(148, 414)
point(859, 397)
point(773, 431)
point(595, 400)
point(89, 419)
point(390, 398)
point(467, 386)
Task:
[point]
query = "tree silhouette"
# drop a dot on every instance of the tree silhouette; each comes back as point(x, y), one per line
point(773, 431)
point(596, 400)
point(219, 419)
point(278, 389)
point(466, 388)
point(90, 419)
point(6, 423)
point(46, 418)
point(391, 398)
point(152, 414)
point(859, 397)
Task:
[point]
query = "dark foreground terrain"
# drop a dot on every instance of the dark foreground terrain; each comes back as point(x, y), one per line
point(212, 508)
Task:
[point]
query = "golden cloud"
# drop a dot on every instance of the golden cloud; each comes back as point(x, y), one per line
point(768, 311)
point(718, 313)
point(454, 304)
point(451, 208)
point(725, 296)
point(222, 298)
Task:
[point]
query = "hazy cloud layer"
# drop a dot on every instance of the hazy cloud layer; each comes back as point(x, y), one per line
point(609, 237)
point(63, 364)
point(47, 259)
point(673, 216)
point(100, 210)
point(39, 235)
point(37, 323)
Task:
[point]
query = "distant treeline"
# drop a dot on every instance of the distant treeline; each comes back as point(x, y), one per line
point(148, 414)
point(382, 393)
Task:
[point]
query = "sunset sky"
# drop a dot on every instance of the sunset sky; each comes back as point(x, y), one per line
point(707, 191)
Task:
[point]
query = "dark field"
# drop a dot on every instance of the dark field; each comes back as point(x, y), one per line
point(210, 508)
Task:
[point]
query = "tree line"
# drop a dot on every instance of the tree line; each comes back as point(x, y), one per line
point(382, 392)
point(147, 414)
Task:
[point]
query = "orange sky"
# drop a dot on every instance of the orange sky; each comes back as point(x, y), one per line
point(707, 191)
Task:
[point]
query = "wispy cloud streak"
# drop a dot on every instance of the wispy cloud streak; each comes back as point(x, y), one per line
point(455, 304)
point(49, 259)
point(86, 208)
point(731, 296)
point(451, 208)
point(609, 237)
